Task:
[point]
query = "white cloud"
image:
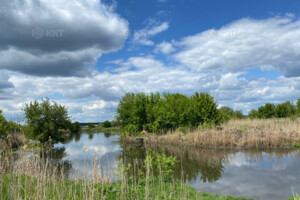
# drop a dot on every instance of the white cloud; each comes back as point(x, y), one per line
point(95, 98)
point(79, 40)
point(142, 36)
point(164, 47)
point(247, 43)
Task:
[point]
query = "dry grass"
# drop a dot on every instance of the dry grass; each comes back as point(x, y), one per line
point(257, 133)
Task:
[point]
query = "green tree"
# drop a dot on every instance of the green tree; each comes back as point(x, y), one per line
point(253, 114)
point(238, 114)
point(266, 111)
point(3, 125)
point(106, 124)
point(298, 106)
point(286, 109)
point(75, 127)
point(47, 119)
point(226, 112)
point(91, 126)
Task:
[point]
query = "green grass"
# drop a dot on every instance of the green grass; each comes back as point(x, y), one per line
point(26, 187)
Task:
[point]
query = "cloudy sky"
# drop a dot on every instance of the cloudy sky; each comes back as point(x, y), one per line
point(86, 54)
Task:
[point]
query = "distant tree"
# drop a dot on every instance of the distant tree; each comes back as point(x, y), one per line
point(106, 124)
point(46, 119)
point(3, 125)
point(226, 112)
point(253, 114)
point(298, 106)
point(286, 109)
point(238, 114)
point(266, 111)
point(91, 126)
point(75, 127)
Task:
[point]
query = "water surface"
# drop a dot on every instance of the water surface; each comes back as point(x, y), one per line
point(260, 174)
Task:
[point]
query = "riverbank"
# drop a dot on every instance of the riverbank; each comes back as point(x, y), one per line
point(26, 187)
point(244, 133)
point(40, 178)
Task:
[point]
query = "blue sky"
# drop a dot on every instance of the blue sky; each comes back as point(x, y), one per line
point(244, 53)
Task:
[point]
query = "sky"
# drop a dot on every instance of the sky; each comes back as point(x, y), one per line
point(86, 54)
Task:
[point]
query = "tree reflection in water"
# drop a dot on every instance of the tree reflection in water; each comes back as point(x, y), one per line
point(205, 164)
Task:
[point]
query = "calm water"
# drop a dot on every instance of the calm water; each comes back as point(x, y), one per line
point(264, 174)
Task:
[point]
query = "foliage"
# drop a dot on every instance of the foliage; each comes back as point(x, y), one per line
point(160, 163)
point(91, 126)
point(26, 187)
point(238, 114)
point(166, 112)
point(266, 111)
point(75, 127)
point(227, 112)
point(286, 109)
point(46, 120)
point(3, 125)
point(253, 114)
point(106, 124)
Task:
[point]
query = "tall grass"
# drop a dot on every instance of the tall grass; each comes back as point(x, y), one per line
point(41, 179)
point(257, 133)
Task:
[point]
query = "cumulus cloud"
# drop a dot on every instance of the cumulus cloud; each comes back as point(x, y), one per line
point(49, 37)
point(164, 47)
point(142, 36)
point(94, 98)
point(247, 43)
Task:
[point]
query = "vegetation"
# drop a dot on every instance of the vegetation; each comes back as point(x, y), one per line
point(38, 179)
point(255, 133)
point(75, 128)
point(48, 120)
point(91, 126)
point(106, 124)
point(228, 113)
point(167, 112)
point(3, 125)
point(269, 110)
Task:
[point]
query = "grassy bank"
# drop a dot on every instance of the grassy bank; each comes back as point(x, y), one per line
point(26, 187)
point(256, 133)
point(38, 178)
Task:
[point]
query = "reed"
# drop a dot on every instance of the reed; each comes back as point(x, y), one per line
point(256, 133)
point(38, 178)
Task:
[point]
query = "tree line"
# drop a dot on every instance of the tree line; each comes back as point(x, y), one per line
point(160, 113)
point(136, 112)
point(269, 110)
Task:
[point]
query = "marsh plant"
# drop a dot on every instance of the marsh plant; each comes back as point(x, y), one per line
point(41, 179)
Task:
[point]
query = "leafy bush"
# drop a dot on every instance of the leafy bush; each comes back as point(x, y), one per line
point(46, 119)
